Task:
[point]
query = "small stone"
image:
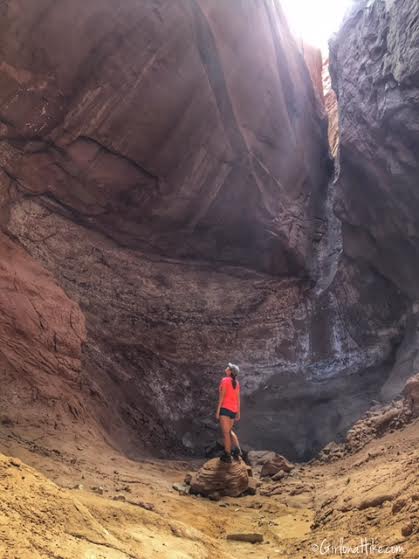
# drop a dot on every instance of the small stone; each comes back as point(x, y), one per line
point(15, 462)
point(98, 489)
point(255, 506)
point(251, 537)
point(398, 505)
point(214, 496)
point(408, 529)
point(181, 488)
point(142, 504)
point(188, 479)
point(119, 498)
point(252, 487)
point(278, 476)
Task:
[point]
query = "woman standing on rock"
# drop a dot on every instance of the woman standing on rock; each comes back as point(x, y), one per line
point(228, 411)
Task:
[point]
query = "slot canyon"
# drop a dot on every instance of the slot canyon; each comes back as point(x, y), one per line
point(185, 184)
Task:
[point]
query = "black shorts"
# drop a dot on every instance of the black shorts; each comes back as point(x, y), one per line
point(228, 413)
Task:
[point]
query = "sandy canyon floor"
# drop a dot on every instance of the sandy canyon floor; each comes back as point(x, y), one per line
point(95, 503)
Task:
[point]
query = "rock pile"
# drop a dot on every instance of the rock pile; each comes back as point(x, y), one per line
point(377, 421)
point(270, 463)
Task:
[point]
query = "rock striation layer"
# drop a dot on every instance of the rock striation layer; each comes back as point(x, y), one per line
point(220, 478)
point(375, 73)
point(147, 151)
point(41, 332)
point(159, 126)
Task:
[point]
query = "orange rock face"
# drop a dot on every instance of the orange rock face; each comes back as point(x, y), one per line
point(41, 333)
point(331, 106)
point(314, 61)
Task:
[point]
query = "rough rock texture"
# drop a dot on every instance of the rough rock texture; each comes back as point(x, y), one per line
point(174, 179)
point(145, 147)
point(156, 124)
point(331, 106)
point(375, 73)
point(41, 337)
point(217, 477)
point(375, 70)
point(277, 464)
point(377, 421)
point(411, 394)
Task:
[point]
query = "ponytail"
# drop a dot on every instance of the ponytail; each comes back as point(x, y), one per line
point(234, 371)
point(233, 376)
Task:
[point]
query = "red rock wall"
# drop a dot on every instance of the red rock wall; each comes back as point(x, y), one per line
point(159, 124)
point(313, 59)
point(41, 337)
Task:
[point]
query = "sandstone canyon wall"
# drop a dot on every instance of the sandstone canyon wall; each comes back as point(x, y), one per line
point(375, 71)
point(168, 164)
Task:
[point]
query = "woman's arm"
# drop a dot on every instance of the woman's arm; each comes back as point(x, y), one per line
point(238, 404)
point(220, 400)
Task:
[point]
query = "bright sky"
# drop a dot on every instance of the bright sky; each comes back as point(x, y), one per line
point(315, 20)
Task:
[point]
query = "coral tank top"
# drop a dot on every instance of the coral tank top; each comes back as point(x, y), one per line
point(231, 397)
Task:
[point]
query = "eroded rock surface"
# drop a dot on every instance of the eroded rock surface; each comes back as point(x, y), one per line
point(375, 71)
point(41, 332)
point(411, 394)
point(374, 66)
point(158, 125)
point(145, 150)
point(220, 478)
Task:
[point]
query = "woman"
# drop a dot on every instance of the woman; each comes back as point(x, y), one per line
point(228, 411)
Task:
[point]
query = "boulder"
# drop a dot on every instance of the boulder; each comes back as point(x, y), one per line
point(218, 477)
point(259, 457)
point(276, 464)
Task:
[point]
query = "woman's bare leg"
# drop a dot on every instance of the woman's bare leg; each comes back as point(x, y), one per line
point(234, 439)
point(225, 423)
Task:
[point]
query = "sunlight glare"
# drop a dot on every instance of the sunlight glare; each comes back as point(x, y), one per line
point(315, 21)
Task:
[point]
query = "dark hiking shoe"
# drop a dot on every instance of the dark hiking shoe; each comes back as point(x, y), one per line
point(236, 453)
point(225, 457)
